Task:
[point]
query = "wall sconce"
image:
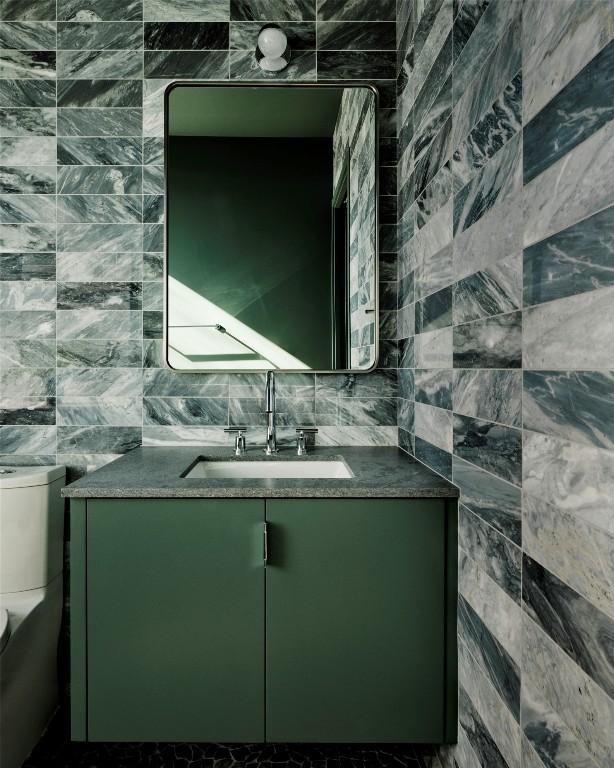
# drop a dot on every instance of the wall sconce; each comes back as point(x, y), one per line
point(272, 51)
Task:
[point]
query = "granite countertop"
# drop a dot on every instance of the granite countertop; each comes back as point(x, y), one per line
point(156, 473)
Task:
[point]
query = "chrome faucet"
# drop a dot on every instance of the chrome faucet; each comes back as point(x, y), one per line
point(269, 409)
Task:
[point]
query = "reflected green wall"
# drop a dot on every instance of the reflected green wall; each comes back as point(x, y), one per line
point(249, 229)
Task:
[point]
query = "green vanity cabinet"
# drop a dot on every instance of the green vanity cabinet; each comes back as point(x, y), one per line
point(355, 620)
point(175, 620)
point(186, 627)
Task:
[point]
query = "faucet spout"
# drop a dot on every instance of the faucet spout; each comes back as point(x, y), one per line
point(269, 409)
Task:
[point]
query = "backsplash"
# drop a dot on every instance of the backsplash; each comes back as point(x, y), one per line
point(82, 206)
point(506, 236)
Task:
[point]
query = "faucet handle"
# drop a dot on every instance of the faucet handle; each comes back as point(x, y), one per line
point(301, 439)
point(240, 444)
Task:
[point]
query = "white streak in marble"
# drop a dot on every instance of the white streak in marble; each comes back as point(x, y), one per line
point(434, 425)
point(580, 703)
point(573, 478)
point(28, 150)
point(575, 551)
point(186, 10)
point(497, 610)
point(574, 332)
point(577, 185)
point(579, 31)
point(494, 395)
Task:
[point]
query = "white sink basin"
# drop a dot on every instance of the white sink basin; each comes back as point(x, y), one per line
point(256, 470)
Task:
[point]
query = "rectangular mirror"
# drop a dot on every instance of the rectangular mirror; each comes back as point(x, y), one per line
point(271, 227)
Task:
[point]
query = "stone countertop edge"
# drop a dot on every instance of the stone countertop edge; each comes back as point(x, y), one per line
point(379, 472)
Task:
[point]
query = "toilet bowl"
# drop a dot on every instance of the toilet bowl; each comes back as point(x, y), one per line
point(31, 552)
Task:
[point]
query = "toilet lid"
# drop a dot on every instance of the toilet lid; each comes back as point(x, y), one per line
point(5, 630)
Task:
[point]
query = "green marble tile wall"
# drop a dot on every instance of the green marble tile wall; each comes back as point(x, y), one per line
point(506, 355)
point(82, 206)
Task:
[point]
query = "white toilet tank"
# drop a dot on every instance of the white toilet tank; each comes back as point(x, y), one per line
point(31, 526)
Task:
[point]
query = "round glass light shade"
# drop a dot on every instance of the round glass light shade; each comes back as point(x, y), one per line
point(272, 42)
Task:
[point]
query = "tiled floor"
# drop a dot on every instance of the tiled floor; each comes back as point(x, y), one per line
point(56, 751)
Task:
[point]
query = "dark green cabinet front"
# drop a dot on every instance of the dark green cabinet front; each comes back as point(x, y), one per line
point(180, 632)
point(355, 621)
point(175, 620)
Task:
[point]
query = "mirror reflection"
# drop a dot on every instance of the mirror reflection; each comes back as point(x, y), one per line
point(271, 227)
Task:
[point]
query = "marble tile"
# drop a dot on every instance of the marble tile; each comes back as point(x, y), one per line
point(434, 197)
point(491, 343)
point(358, 436)
point(85, 65)
point(27, 266)
point(434, 387)
point(28, 10)
point(27, 382)
point(572, 188)
point(490, 657)
point(434, 349)
point(571, 477)
point(434, 156)
point(405, 414)
point(356, 10)
point(116, 238)
point(167, 383)
point(152, 325)
point(103, 296)
point(276, 10)
point(100, 93)
point(356, 35)
point(356, 65)
point(565, 37)
point(108, 122)
point(301, 35)
point(20, 439)
point(97, 411)
point(98, 209)
point(434, 312)
point(28, 150)
point(185, 411)
point(492, 552)
point(434, 457)
point(99, 10)
point(203, 65)
point(96, 266)
point(27, 64)
point(109, 383)
point(99, 354)
point(575, 332)
point(477, 734)
point(491, 28)
point(581, 704)
point(579, 553)
point(571, 621)
point(27, 93)
point(27, 237)
point(153, 296)
point(99, 324)
point(499, 179)
point(434, 425)
point(27, 411)
point(28, 180)
point(493, 291)
point(494, 500)
point(473, 101)
point(190, 36)
point(30, 294)
point(26, 209)
point(582, 107)
point(186, 10)
point(492, 132)
point(572, 261)
point(99, 151)
point(92, 36)
point(28, 35)
point(27, 352)
point(27, 325)
point(490, 446)
point(574, 405)
point(405, 378)
point(499, 613)
point(466, 19)
point(547, 736)
point(33, 121)
point(88, 439)
point(376, 384)
point(494, 395)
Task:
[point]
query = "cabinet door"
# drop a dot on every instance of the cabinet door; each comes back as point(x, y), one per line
point(355, 620)
point(175, 606)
